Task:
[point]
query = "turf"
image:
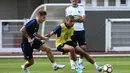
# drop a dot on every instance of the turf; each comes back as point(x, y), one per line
point(43, 65)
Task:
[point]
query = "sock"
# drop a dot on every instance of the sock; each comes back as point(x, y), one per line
point(95, 65)
point(71, 62)
point(80, 60)
point(76, 64)
point(23, 66)
point(54, 64)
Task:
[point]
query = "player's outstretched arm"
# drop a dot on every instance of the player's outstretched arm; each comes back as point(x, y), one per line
point(49, 34)
point(55, 31)
point(41, 37)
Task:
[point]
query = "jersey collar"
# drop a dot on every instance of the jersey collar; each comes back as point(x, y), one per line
point(75, 6)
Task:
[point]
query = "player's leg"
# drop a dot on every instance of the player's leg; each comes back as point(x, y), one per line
point(81, 64)
point(88, 58)
point(37, 44)
point(74, 39)
point(83, 46)
point(27, 51)
point(71, 50)
point(46, 48)
point(71, 61)
point(68, 48)
point(27, 64)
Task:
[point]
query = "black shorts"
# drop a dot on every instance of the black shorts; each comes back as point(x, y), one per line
point(61, 47)
point(79, 37)
point(27, 48)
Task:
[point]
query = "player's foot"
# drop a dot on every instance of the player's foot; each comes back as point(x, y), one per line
point(99, 68)
point(78, 70)
point(25, 70)
point(58, 67)
point(81, 65)
point(73, 66)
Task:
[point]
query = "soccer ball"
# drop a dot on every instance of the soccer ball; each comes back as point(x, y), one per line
point(107, 68)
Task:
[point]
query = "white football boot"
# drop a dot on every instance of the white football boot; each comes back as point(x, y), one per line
point(58, 67)
point(25, 70)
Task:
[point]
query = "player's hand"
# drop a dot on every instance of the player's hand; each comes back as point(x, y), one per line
point(46, 38)
point(30, 40)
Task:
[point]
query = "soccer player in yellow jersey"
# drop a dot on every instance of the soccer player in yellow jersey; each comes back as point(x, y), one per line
point(64, 43)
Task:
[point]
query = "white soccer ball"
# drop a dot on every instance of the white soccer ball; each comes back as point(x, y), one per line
point(107, 68)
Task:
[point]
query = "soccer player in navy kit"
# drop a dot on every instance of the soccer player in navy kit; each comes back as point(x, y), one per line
point(31, 39)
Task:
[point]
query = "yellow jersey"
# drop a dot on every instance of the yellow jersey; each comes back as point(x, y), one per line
point(65, 35)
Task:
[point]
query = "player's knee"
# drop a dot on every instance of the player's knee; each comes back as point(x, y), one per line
point(31, 63)
point(84, 47)
point(48, 50)
point(72, 50)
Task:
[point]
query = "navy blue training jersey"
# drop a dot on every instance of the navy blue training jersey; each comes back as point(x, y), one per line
point(32, 28)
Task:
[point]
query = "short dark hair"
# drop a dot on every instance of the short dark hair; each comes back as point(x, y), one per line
point(42, 12)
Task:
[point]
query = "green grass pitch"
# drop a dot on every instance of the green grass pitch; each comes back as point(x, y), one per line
point(43, 65)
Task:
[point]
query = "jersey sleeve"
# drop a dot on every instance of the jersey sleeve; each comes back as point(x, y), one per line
point(57, 30)
point(67, 12)
point(30, 24)
point(82, 11)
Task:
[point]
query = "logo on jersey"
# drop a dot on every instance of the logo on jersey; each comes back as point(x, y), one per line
point(35, 33)
point(79, 11)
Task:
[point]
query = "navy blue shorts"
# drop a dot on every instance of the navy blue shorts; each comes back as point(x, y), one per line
point(79, 37)
point(27, 48)
point(61, 47)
